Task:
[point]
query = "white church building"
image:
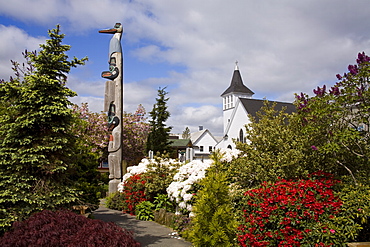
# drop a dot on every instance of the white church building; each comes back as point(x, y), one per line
point(237, 105)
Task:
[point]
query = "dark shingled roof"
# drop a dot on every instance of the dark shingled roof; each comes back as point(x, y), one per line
point(237, 86)
point(181, 143)
point(254, 105)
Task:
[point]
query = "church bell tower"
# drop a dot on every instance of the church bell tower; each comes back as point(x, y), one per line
point(232, 94)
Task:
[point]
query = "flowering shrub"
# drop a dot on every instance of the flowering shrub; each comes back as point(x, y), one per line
point(64, 228)
point(148, 165)
point(133, 192)
point(133, 170)
point(287, 212)
point(147, 180)
point(227, 155)
point(94, 130)
point(184, 184)
point(135, 132)
point(160, 175)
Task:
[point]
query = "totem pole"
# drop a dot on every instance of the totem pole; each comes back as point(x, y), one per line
point(113, 104)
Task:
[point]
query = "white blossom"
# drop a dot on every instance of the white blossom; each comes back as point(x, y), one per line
point(188, 174)
point(142, 167)
point(228, 155)
point(182, 205)
point(187, 197)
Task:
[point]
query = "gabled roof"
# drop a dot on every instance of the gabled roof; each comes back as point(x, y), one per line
point(181, 143)
point(252, 106)
point(236, 85)
point(197, 135)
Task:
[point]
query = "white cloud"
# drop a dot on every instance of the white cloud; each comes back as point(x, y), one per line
point(283, 47)
point(95, 103)
point(208, 116)
point(13, 42)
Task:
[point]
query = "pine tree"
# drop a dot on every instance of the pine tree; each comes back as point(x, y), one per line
point(186, 133)
point(158, 138)
point(36, 145)
point(214, 223)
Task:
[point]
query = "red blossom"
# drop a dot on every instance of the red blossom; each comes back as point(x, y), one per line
point(285, 206)
point(134, 192)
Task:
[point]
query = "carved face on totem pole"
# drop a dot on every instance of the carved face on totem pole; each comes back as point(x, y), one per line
point(113, 104)
point(113, 72)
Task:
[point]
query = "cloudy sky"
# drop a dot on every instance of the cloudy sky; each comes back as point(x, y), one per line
point(190, 46)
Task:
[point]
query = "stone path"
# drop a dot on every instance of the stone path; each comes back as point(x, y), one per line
point(148, 233)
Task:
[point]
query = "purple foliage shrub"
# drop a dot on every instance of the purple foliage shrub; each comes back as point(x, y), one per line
point(68, 229)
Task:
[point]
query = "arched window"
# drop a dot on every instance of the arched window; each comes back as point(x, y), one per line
point(241, 136)
point(229, 147)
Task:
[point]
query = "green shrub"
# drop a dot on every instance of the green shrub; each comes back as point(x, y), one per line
point(214, 223)
point(159, 175)
point(144, 211)
point(162, 201)
point(353, 220)
point(115, 201)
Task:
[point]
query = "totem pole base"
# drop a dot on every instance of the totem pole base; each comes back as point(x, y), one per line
point(113, 184)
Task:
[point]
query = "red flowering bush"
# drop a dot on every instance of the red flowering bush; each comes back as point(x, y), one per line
point(291, 213)
point(134, 192)
point(65, 228)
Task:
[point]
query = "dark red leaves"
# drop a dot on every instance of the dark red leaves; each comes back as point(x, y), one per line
point(65, 228)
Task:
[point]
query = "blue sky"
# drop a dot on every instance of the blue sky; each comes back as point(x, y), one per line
point(190, 46)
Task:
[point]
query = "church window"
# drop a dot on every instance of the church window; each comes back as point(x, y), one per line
point(241, 136)
point(201, 148)
point(210, 149)
point(229, 147)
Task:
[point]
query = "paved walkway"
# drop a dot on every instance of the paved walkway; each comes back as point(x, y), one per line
point(148, 233)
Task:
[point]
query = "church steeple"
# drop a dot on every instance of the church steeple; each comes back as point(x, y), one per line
point(237, 86)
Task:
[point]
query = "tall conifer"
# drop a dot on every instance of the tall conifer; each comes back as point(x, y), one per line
point(158, 138)
point(36, 143)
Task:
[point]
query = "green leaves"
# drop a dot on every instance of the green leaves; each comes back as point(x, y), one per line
point(36, 144)
point(336, 121)
point(144, 211)
point(214, 223)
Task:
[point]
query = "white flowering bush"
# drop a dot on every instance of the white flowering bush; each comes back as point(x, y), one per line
point(149, 166)
point(227, 155)
point(169, 176)
point(181, 190)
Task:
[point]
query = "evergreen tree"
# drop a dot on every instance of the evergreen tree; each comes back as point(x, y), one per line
point(36, 145)
point(92, 132)
point(214, 223)
point(186, 133)
point(158, 138)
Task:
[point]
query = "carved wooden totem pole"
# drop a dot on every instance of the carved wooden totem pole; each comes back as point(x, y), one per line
point(113, 104)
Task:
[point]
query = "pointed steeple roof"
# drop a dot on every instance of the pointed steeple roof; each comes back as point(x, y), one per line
point(236, 85)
